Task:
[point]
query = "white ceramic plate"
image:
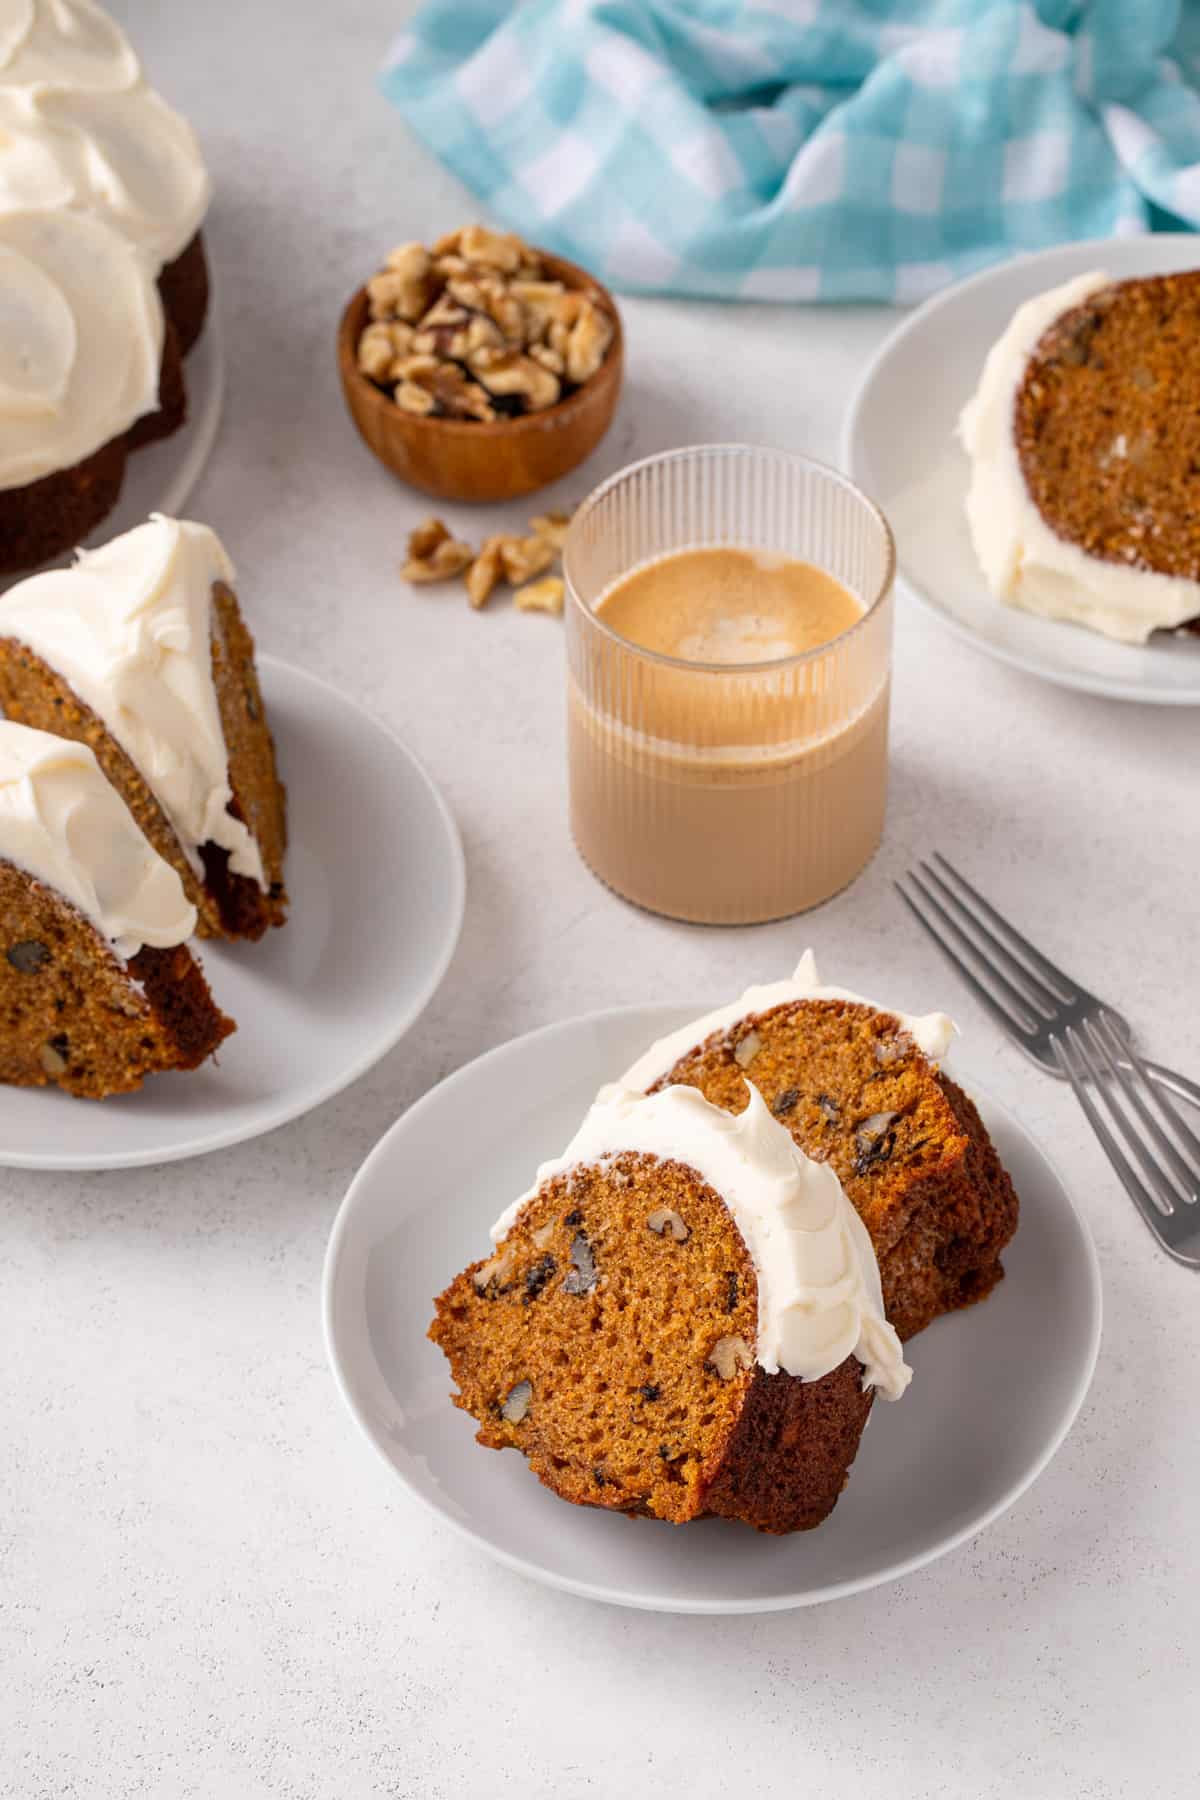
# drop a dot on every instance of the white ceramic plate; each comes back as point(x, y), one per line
point(375, 875)
point(900, 444)
point(994, 1390)
point(160, 477)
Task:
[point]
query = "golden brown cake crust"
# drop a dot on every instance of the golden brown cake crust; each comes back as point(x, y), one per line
point(183, 287)
point(908, 1145)
point(259, 797)
point(618, 1357)
point(71, 1015)
point(47, 517)
point(1107, 424)
point(228, 905)
point(171, 411)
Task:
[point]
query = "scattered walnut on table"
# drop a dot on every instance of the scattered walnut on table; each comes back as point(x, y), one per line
point(552, 527)
point(523, 558)
point(433, 555)
point(541, 596)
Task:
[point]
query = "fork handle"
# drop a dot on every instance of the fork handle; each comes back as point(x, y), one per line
point(1177, 1084)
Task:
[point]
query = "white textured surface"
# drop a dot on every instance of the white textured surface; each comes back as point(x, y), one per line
point(208, 1585)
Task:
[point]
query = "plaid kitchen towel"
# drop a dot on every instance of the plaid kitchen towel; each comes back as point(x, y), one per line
point(809, 149)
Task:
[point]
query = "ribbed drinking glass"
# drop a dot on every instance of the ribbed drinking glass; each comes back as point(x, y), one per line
point(728, 793)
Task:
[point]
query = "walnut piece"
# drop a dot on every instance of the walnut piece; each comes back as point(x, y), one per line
point(523, 558)
point(544, 596)
point(551, 526)
point(483, 305)
point(493, 1274)
point(507, 372)
point(484, 572)
point(433, 555)
point(667, 1223)
point(728, 1355)
point(747, 1049)
point(517, 1405)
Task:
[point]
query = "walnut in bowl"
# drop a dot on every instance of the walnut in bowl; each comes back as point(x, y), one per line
point(480, 369)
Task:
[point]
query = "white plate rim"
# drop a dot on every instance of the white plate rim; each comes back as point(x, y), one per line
point(650, 1603)
point(1028, 663)
point(205, 1142)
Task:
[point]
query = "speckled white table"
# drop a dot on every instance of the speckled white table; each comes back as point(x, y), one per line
point(208, 1585)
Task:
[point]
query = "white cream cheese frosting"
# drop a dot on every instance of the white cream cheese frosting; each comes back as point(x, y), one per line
point(1025, 561)
point(62, 823)
point(129, 627)
point(64, 43)
point(819, 1295)
point(930, 1032)
point(81, 333)
point(123, 156)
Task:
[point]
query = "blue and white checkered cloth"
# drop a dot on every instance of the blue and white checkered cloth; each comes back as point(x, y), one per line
point(809, 149)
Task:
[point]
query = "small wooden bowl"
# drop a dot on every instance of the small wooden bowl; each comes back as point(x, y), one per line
point(478, 459)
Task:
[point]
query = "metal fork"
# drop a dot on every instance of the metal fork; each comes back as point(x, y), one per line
point(1072, 1034)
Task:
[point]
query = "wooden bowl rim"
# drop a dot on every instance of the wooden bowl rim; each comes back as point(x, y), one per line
point(350, 330)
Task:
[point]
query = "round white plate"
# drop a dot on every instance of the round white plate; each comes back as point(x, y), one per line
point(901, 445)
point(160, 477)
point(377, 886)
point(994, 1390)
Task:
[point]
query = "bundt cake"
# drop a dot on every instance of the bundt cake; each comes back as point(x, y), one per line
point(97, 986)
point(103, 278)
point(1084, 439)
point(860, 1089)
point(682, 1318)
point(140, 651)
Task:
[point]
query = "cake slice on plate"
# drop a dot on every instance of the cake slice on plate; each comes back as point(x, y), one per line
point(139, 650)
point(682, 1318)
point(1084, 439)
point(97, 986)
point(860, 1088)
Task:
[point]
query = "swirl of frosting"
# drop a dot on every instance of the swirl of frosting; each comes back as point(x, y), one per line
point(125, 157)
point(80, 341)
point(819, 1294)
point(930, 1032)
point(64, 44)
point(81, 333)
point(130, 629)
point(62, 823)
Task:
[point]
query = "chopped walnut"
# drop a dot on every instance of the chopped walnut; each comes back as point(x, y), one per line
point(588, 343)
point(484, 304)
point(494, 249)
point(433, 555)
point(541, 596)
point(728, 1355)
point(403, 288)
point(523, 558)
point(484, 572)
point(508, 372)
point(411, 398)
point(551, 526)
point(447, 387)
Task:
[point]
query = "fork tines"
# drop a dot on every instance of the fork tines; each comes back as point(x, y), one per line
point(1071, 1033)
